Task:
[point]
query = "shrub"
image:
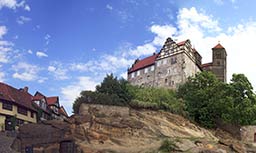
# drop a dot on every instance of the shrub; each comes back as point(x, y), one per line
point(168, 146)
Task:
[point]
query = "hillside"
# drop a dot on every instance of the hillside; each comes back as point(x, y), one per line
point(113, 129)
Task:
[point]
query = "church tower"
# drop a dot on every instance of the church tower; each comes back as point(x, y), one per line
point(219, 62)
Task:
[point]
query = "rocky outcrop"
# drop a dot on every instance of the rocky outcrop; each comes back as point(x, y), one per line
point(133, 131)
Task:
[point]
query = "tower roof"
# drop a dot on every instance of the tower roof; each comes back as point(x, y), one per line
point(218, 46)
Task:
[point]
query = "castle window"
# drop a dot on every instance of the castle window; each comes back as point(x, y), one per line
point(164, 61)
point(152, 68)
point(165, 81)
point(173, 60)
point(133, 75)
point(7, 106)
point(146, 70)
point(138, 73)
point(218, 55)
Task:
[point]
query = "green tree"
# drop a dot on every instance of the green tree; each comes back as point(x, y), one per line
point(204, 98)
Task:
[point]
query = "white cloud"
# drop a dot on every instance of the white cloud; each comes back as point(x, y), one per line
point(13, 4)
point(3, 31)
point(71, 92)
point(109, 7)
point(5, 46)
point(238, 40)
point(47, 39)
point(124, 75)
point(41, 54)
point(22, 20)
point(25, 71)
point(27, 8)
point(30, 51)
point(219, 2)
point(143, 50)
point(2, 75)
point(58, 71)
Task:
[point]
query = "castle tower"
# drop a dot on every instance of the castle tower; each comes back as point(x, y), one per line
point(219, 62)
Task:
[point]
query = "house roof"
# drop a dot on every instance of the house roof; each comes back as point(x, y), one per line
point(52, 100)
point(206, 65)
point(182, 42)
point(63, 111)
point(139, 64)
point(17, 96)
point(218, 46)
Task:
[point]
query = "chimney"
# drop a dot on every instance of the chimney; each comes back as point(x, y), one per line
point(25, 89)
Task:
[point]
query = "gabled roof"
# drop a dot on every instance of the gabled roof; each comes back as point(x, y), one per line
point(182, 42)
point(52, 100)
point(63, 111)
point(218, 46)
point(205, 65)
point(139, 64)
point(19, 97)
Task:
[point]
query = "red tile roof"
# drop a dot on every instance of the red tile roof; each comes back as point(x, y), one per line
point(52, 100)
point(182, 42)
point(219, 46)
point(143, 63)
point(17, 96)
point(206, 65)
point(63, 111)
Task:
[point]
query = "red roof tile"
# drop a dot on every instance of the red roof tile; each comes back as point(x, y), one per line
point(219, 46)
point(63, 111)
point(143, 63)
point(17, 96)
point(206, 65)
point(52, 100)
point(182, 42)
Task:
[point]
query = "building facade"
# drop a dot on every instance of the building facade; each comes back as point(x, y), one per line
point(18, 106)
point(174, 64)
point(15, 107)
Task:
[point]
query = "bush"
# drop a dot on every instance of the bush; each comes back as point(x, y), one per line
point(168, 146)
point(156, 99)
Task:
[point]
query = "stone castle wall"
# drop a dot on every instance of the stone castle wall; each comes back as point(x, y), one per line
point(107, 110)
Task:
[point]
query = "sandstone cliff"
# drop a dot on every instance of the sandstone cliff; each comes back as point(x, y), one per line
point(106, 129)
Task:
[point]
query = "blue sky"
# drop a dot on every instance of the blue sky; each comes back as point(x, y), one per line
point(62, 47)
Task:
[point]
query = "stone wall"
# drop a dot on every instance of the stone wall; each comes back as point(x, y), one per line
point(247, 133)
point(105, 110)
point(146, 77)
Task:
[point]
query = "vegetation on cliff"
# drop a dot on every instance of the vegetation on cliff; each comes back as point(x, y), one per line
point(203, 98)
point(207, 100)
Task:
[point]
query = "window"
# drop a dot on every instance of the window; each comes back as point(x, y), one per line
point(146, 70)
point(138, 73)
point(165, 81)
point(152, 68)
point(22, 111)
point(7, 106)
point(133, 75)
point(173, 60)
point(218, 55)
point(31, 114)
point(164, 61)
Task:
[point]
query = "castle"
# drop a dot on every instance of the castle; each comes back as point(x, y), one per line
point(174, 64)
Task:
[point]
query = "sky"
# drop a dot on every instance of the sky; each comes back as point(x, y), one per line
point(62, 47)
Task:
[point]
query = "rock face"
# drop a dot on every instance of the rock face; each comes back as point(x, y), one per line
point(136, 131)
